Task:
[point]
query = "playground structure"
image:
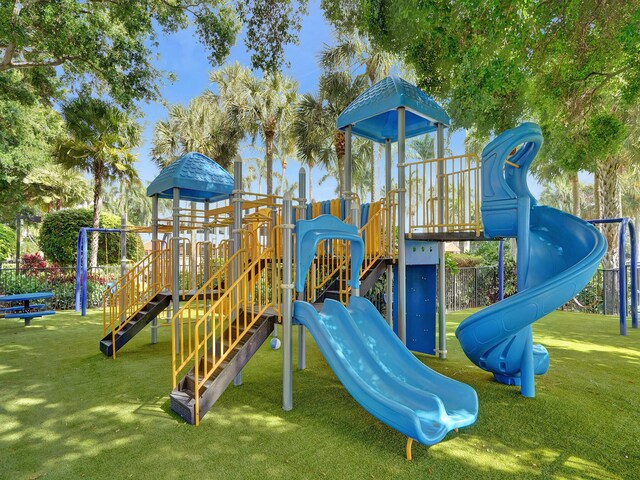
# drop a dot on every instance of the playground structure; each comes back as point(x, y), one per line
point(227, 295)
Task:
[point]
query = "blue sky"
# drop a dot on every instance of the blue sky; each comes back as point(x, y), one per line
point(182, 54)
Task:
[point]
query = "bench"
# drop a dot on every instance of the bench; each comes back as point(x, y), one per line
point(19, 308)
point(27, 316)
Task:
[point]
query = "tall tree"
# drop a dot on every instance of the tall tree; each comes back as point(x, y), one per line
point(353, 50)
point(203, 126)
point(319, 113)
point(53, 187)
point(573, 66)
point(110, 44)
point(313, 130)
point(27, 128)
point(99, 140)
point(263, 107)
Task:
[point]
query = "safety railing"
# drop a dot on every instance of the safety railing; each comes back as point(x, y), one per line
point(211, 255)
point(133, 291)
point(451, 184)
point(205, 333)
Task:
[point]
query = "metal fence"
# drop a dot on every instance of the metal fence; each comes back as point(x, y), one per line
point(473, 287)
point(59, 280)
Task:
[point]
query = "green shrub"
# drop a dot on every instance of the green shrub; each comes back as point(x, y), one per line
point(7, 242)
point(59, 237)
point(467, 259)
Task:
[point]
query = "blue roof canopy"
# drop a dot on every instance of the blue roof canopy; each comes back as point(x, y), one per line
point(374, 115)
point(197, 176)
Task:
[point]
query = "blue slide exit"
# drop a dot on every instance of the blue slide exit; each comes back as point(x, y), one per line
point(383, 376)
point(557, 256)
point(368, 358)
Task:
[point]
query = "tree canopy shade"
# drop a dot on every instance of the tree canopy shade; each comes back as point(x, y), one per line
point(109, 43)
point(27, 129)
point(99, 141)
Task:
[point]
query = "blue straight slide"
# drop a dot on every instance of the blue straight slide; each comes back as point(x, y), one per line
point(557, 256)
point(383, 376)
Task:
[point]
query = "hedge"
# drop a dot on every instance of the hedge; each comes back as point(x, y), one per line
point(7, 242)
point(59, 237)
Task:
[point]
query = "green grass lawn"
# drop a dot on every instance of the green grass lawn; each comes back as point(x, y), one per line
point(68, 412)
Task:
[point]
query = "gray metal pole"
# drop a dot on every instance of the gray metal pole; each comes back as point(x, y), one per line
point(175, 299)
point(388, 188)
point(402, 266)
point(287, 303)
point(206, 264)
point(154, 266)
point(302, 214)
point(18, 239)
point(442, 305)
point(123, 258)
point(346, 187)
point(237, 231)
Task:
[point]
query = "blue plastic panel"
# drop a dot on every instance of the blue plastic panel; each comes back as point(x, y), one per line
point(421, 307)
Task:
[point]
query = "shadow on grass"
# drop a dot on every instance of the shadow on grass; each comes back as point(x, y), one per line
point(69, 412)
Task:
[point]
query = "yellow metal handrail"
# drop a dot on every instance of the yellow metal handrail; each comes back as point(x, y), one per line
point(134, 290)
point(460, 179)
point(210, 334)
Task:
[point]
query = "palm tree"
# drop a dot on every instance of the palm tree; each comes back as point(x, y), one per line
point(262, 107)
point(52, 187)
point(312, 131)
point(203, 126)
point(99, 140)
point(355, 51)
point(318, 114)
point(129, 196)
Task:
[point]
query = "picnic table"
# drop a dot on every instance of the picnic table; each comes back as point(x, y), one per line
point(25, 310)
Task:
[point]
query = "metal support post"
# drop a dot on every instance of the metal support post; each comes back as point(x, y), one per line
point(287, 304)
point(236, 233)
point(155, 266)
point(123, 260)
point(442, 304)
point(527, 379)
point(175, 298)
point(302, 215)
point(501, 270)
point(402, 208)
point(388, 188)
point(206, 265)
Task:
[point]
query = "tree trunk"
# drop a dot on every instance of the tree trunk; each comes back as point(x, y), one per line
point(310, 196)
point(98, 173)
point(575, 195)
point(338, 145)
point(373, 172)
point(609, 171)
point(268, 157)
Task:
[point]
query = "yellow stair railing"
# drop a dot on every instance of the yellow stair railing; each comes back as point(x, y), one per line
point(134, 290)
point(205, 331)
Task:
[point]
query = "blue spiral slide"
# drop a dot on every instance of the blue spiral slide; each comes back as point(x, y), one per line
point(557, 255)
point(369, 359)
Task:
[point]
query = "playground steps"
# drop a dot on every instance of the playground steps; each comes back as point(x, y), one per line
point(366, 283)
point(150, 311)
point(183, 396)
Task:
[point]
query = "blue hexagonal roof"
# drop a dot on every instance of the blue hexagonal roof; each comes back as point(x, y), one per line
point(373, 114)
point(197, 176)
